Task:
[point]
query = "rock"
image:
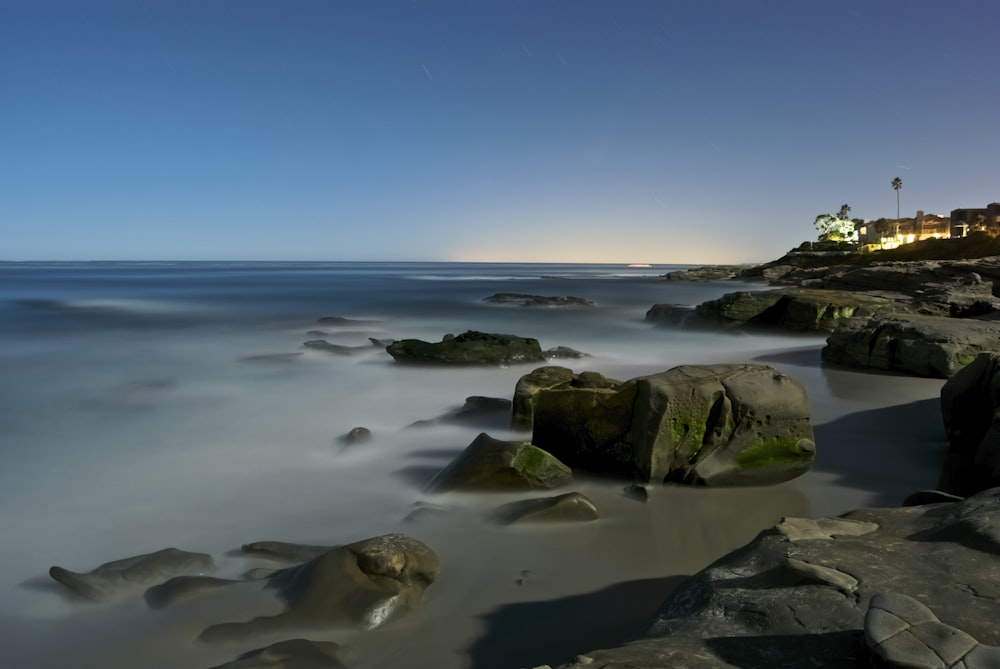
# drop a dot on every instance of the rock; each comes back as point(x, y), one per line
point(969, 403)
point(669, 314)
point(711, 425)
point(181, 587)
point(922, 497)
point(637, 492)
point(469, 348)
point(523, 300)
point(290, 654)
point(706, 273)
point(492, 464)
point(875, 579)
point(905, 633)
point(324, 345)
point(112, 578)
point(281, 550)
point(477, 407)
point(921, 345)
point(272, 357)
point(564, 352)
point(548, 378)
point(340, 321)
point(797, 309)
point(357, 435)
point(570, 507)
point(361, 585)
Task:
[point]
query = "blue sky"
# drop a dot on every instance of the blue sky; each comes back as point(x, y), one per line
point(539, 130)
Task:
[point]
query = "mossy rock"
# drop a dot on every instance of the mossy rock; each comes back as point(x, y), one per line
point(468, 348)
point(550, 377)
point(493, 464)
point(699, 424)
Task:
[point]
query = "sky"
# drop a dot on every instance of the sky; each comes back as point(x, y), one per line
point(646, 131)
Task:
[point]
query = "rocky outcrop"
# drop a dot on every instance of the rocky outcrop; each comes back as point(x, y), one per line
point(469, 348)
point(549, 378)
point(707, 273)
point(970, 401)
point(569, 507)
point(710, 425)
point(524, 300)
point(669, 314)
point(922, 345)
point(119, 576)
point(804, 589)
point(492, 464)
point(798, 309)
point(361, 585)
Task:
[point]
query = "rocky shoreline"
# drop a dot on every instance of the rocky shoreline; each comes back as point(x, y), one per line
point(910, 586)
point(914, 586)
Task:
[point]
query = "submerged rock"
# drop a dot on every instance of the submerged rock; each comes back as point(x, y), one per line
point(570, 507)
point(711, 425)
point(360, 585)
point(524, 300)
point(290, 654)
point(492, 464)
point(112, 578)
point(469, 348)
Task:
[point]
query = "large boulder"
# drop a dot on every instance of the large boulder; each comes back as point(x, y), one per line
point(493, 464)
point(970, 407)
point(548, 378)
point(738, 424)
point(799, 594)
point(360, 585)
point(468, 348)
point(922, 345)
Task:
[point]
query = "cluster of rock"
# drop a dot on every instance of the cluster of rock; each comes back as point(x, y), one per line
point(359, 585)
point(928, 318)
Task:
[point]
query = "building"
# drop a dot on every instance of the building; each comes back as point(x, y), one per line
point(964, 221)
point(888, 233)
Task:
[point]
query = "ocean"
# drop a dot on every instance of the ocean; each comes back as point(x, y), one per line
point(153, 404)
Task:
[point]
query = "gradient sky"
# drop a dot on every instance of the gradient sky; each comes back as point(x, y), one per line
point(694, 131)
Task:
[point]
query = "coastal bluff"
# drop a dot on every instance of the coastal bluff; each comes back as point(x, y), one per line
point(926, 311)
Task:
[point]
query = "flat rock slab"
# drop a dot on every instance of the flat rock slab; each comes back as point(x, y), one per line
point(915, 585)
point(929, 346)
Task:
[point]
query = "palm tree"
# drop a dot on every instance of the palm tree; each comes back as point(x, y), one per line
point(897, 184)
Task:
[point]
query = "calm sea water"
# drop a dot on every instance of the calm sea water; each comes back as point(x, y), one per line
point(146, 405)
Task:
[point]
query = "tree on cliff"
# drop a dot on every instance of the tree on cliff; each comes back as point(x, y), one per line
point(837, 227)
point(897, 185)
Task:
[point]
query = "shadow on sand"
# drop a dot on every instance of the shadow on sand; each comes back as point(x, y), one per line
point(553, 632)
point(892, 451)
